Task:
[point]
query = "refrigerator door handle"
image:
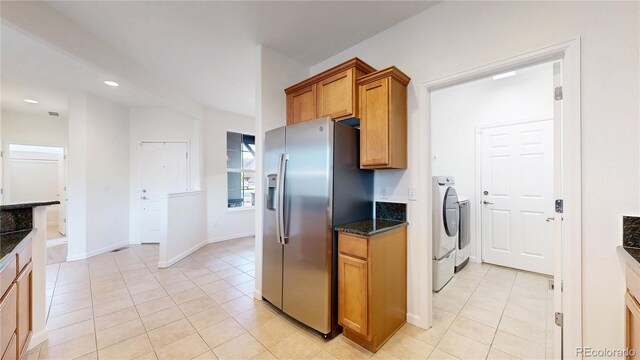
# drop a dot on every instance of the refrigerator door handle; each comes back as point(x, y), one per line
point(282, 170)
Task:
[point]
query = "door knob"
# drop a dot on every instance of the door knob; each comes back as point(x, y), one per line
point(487, 202)
point(550, 219)
point(144, 198)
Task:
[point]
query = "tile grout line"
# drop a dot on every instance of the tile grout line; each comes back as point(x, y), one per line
point(458, 314)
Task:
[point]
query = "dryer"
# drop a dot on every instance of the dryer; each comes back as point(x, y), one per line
point(446, 224)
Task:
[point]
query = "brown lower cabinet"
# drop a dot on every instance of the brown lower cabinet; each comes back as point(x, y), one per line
point(632, 313)
point(16, 323)
point(372, 286)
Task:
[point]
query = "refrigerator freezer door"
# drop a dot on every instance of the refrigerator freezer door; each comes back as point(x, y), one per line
point(274, 147)
point(307, 254)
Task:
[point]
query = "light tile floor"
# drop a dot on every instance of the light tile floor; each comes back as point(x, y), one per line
point(56, 246)
point(120, 306)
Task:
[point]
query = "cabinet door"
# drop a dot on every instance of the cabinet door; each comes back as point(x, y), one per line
point(632, 328)
point(11, 353)
point(374, 123)
point(8, 308)
point(336, 96)
point(352, 294)
point(25, 326)
point(301, 105)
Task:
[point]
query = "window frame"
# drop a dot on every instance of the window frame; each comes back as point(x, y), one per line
point(240, 170)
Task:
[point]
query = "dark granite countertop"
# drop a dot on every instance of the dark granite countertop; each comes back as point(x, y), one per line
point(370, 226)
point(11, 243)
point(28, 205)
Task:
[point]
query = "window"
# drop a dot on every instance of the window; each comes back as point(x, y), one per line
point(241, 170)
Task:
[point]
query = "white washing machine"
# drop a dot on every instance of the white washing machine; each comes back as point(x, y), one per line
point(464, 238)
point(446, 224)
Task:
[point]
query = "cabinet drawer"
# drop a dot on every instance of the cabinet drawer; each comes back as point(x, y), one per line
point(24, 256)
point(352, 245)
point(8, 275)
point(633, 282)
point(8, 318)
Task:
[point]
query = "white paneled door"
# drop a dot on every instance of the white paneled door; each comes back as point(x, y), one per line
point(164, 169)
point(517, 167)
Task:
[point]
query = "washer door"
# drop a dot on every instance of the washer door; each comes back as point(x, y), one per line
point(451, 212)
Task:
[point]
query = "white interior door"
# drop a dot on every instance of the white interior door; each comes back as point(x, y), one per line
point(164, 169)
point(62, 194)
point(517, 167)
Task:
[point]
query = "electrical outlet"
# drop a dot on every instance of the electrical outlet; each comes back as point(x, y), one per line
point(413, 193)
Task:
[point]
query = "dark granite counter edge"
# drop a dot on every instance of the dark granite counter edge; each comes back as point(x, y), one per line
point(343, 228)
point(28, 205)
point(19, 246)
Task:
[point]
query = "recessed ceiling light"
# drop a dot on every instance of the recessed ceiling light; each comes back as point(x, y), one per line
point(30, 101)
point(504, 75)
point(111, 83)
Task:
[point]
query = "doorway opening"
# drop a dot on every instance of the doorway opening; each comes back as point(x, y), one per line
point(35, 173)
point(495, 157)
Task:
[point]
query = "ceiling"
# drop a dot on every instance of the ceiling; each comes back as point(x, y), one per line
point(205, 50)
point(24, 74)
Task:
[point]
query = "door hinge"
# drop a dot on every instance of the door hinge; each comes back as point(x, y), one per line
point(64, 220)
point(1, 154)
point(557, 93)
point(559, 206)
point(186, 155)
point(559, 318)
point(64, 157)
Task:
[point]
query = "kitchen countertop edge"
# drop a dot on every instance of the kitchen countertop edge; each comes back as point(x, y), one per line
point(349, 230)
point(5, 260)
point(28, 205)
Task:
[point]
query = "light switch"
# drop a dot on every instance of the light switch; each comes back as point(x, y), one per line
point(413, 193)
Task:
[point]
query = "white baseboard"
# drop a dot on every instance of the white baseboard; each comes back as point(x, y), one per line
point(231, 237)
point(105, 249)
point(37, 338)
point(257, 294)
point(76, 257)
point(474, 259)
point(162, 264)
point(417, 321)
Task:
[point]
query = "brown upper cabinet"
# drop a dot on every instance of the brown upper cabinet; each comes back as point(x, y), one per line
point(383, 119)
point(331, 93)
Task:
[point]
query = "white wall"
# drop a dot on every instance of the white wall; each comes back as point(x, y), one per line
point(275, 73)
point(452, 37)
point(223, 223)
point(32, 177)
point(159, 124)
point(185, 226)
point(33, 129)
point(98, 173)
point(456, 112)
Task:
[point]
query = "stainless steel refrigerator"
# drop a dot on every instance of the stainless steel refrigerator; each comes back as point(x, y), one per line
point(313, 183)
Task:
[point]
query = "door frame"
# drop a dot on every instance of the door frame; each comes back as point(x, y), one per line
point(5, 173)
point(478, 173)
point(569, 52)
point(140, 167)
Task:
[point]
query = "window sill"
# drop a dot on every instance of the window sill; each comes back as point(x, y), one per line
point(241, 209)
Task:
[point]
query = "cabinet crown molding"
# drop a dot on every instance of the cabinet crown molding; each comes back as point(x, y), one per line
point(391, 71)
point(353, 63)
